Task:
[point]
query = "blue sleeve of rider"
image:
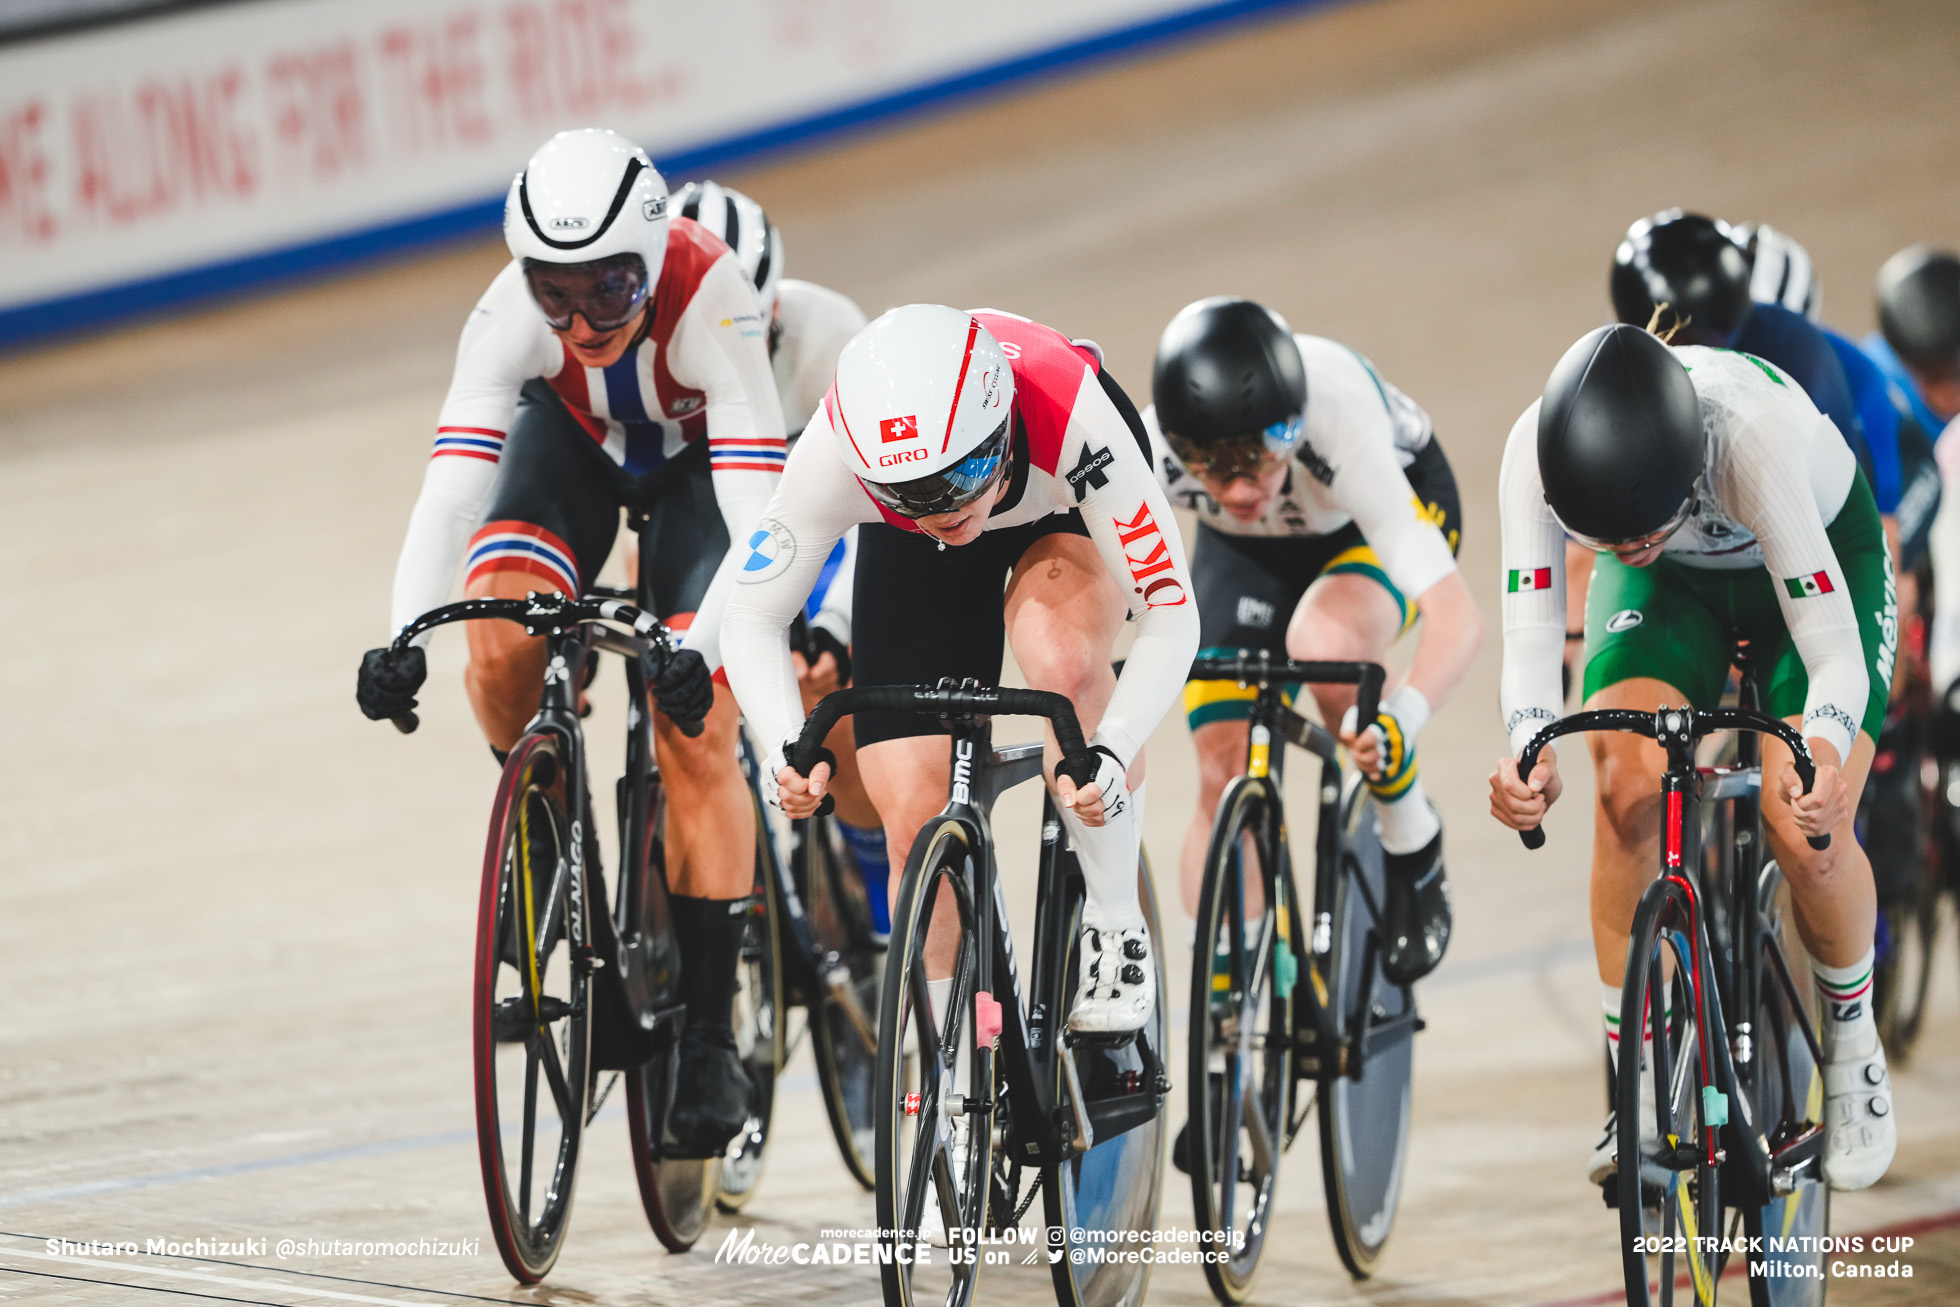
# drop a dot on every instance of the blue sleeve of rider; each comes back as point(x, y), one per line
point(1794, 344)
point(814, 604)
point(1879, 418)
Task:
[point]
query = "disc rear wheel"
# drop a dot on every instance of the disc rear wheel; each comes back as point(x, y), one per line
point(1368, 1091)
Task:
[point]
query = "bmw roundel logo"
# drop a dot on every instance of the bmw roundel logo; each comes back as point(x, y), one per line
point(771, 549)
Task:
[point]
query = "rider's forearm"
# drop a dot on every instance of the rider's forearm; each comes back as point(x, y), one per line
point(1452, 632)
point(454, 491)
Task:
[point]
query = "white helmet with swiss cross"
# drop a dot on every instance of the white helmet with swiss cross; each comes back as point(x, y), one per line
point(925, 407)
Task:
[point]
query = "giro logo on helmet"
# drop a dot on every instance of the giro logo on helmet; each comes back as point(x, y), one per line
point(1153, 574)
point(896, 429)
point(898, 456)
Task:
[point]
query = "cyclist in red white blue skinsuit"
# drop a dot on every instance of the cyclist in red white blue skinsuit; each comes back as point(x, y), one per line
point(619, 361)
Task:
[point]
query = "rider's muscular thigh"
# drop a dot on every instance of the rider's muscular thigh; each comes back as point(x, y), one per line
point(1627, 773)
point(1341, 618)
point(710, 818)
point(1063, 614)
point(505, 676)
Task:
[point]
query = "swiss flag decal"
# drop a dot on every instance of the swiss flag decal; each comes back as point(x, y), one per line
point(905, 428)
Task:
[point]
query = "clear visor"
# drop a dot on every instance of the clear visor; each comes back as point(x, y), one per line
point(1637, 543)
point(951, 487)
point(606, 292)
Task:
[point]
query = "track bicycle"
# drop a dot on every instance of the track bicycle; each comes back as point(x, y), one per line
point(1289, 1009)
point(1728, 1143)
point(994, 1085)
point(573, 981)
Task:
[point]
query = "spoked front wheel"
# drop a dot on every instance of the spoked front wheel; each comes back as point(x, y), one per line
point(1105, 1199)
point(1667, 1112)
point(935, 1086)
point(532, 1011)
point(1240, 1070)
point(1367, 1087)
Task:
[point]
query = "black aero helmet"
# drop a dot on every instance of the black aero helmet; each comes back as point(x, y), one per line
point(1619, 438)
point(1228, 373)
point(1690, 263)
point(1919, 305)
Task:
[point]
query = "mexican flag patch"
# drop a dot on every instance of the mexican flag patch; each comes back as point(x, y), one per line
point(1530, 578)
point(1802, 587)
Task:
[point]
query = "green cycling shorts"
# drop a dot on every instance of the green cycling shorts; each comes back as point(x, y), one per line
point(1680, 624)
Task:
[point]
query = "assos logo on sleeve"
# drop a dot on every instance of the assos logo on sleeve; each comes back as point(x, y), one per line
point(1153, 574)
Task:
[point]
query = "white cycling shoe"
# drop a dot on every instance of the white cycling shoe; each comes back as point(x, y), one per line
point(1860, 1135)
point(1117, 986)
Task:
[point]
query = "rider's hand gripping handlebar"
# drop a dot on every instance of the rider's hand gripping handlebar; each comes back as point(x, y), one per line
point(1654, 725)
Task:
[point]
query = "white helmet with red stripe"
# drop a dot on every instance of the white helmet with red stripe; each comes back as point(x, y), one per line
point(925, 403)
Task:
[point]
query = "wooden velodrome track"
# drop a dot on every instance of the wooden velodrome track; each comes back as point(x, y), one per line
point(235, 917)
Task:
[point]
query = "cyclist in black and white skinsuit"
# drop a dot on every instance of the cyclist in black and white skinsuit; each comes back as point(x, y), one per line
point(1327, 522)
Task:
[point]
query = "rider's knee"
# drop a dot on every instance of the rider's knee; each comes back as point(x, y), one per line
point(1065, 668)
point(1628, 797)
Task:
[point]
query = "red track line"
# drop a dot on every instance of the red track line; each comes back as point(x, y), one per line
point(1917, 1225)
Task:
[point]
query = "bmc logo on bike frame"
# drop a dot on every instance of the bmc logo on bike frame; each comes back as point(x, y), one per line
point(963, 771)
point(1152, 573)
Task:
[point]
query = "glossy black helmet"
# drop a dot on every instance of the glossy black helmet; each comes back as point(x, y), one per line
point(1619, 439)
point(1229, 383)
point(1919, 306)
point(1691, 264)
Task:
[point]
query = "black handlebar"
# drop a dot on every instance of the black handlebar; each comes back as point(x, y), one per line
point(545, 615)
point(1655, 725)
point(1250, 665)
point(805, 751)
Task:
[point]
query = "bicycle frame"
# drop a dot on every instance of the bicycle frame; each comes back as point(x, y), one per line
point(1044, 1131)
point(1273, 723)
point(1728, 953)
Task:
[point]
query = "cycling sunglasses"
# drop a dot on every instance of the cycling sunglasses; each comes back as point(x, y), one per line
point(1639, 543)
point(1252, 455)
point(606, 292)
point(950, 488)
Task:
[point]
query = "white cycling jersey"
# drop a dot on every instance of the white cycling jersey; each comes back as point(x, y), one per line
point(1777, 474)
point(815, 323)
point(1079, 454)
point(701, 370)
point(1359, 436)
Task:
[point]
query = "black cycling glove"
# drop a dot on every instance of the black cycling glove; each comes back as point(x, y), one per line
point(684, 689)
point(388, 681)
point(822, 642)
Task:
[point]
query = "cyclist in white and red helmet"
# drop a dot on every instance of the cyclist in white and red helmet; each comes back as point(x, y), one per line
point(618, 361)
point(1004, 493)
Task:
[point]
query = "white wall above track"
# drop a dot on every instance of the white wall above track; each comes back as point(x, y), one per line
point(170, 158)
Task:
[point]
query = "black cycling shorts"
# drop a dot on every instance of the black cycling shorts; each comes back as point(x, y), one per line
point(1248, 586)
point(922, 612)
point(555, 510)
